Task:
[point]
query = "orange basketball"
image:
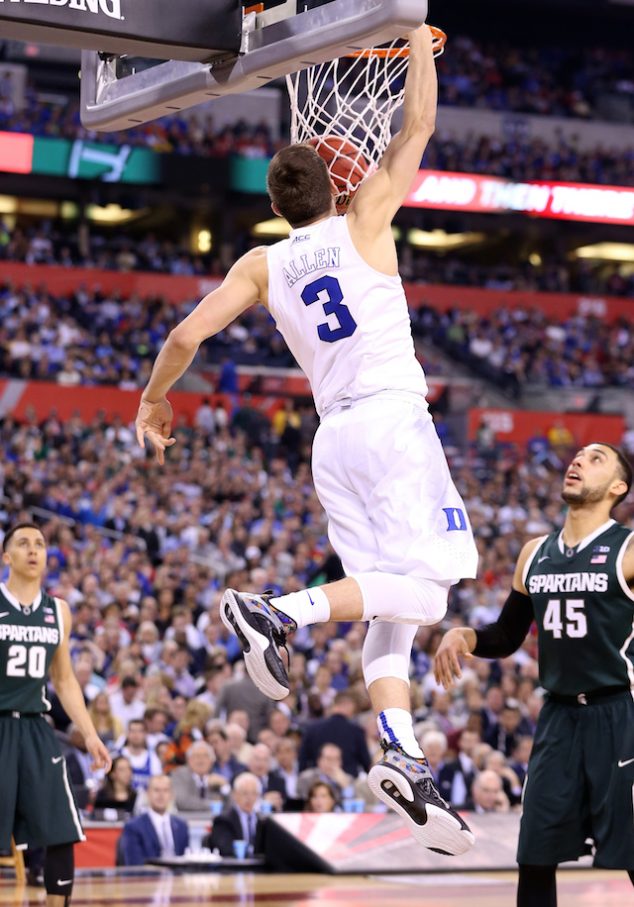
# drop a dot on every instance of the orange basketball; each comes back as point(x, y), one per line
point(346, 164)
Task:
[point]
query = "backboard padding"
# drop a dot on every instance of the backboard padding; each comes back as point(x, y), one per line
point(269, 52)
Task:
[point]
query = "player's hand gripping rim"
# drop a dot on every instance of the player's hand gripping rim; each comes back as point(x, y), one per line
point(452, 648)
point(154, 422)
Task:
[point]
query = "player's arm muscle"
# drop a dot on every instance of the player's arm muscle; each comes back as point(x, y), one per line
point(239, 290)
point(64, 681)
point(382, 194)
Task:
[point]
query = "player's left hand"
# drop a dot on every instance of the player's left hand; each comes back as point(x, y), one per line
point(154, 421)
point(101, 758)
point(452, 648)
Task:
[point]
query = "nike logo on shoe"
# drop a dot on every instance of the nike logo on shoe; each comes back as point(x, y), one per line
point(623, 762)
point(55, 760)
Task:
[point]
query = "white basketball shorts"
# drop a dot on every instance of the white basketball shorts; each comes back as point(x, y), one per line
point(382, 477)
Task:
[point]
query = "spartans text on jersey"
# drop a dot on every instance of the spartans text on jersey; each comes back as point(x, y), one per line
point(29, 634)
point(568, 582)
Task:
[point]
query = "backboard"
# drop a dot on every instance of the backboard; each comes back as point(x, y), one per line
point(291, 36)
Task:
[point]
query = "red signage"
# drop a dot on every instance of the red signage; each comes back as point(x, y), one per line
point(563, 201)
point(519, 426)
point(16, 152)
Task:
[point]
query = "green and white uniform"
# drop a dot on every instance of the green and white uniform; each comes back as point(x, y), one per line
point(38, 808)
point(580, 780)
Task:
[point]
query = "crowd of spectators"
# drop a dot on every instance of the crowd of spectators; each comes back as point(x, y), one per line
point(517, 158)
point(91, 338)
point(555, 80)
point(549, 79)
point(142, 556)
point(523, 158)
point(53, 243)
point(516, 346)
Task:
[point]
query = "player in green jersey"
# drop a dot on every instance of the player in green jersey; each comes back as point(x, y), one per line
point(37, 804)
point(577, 585)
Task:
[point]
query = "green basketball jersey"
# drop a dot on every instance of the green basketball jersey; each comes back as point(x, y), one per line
point(584, 612)
point(28, 640)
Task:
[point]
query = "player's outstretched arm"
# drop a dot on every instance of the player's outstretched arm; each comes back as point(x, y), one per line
point(382, 194)
point(71, 697)
point(496, 640)
point(240, 289)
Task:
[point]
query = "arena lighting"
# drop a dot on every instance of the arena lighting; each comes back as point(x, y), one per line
point(606, 251)
point(203, 241)
point(112, 215)
point(8, 204)
point(442, 241)
point(279, 227)
point(276, 226)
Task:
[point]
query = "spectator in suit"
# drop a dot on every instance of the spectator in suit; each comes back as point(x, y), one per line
point(328, 769)
point(225, 764)
point(288, 767)
point(240, 822)
point(78, 762)
point(339, 728)
point(155, 833)
point(521, 755)
point(505, 734)
point(195, 783)
point(435, 747)
point(487, 793)
point(273, 787)
point(456, 775)
point(243, 695)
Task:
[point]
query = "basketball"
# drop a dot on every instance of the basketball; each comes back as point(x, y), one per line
point(346, 164)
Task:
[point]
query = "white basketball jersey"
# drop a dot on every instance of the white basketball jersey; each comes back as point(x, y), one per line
point(346, 324)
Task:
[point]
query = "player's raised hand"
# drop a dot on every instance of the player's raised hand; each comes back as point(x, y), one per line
point(154, 421)
point(100, 756)
point(452, 648)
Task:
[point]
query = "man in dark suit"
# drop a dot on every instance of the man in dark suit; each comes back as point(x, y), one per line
point(272, 784)
point(155, 833)
point(341, 729)
point(240, 822)
point(226, 763)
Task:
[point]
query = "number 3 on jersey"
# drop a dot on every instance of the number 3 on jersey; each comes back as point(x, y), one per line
point(332, 302)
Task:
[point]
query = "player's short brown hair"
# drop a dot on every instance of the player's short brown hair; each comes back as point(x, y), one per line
point(12, 531)
point(299, 184)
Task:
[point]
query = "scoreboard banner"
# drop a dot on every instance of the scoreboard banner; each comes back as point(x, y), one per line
point(491, 194)
point(25, 153)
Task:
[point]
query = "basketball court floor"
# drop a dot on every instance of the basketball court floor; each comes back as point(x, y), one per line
point(577, 888)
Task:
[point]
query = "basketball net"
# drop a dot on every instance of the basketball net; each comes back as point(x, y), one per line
point(354, 98)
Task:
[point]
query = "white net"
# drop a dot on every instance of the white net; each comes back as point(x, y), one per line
point(351, 99)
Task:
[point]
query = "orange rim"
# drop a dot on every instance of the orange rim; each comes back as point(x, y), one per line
point(393, 53)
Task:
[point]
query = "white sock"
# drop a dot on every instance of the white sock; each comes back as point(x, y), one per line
point(395, 726)
point(310, 606)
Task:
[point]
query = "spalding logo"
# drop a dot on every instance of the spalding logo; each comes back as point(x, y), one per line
point(111, 8)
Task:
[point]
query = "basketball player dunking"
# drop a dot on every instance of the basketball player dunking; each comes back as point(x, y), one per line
point(395, 517)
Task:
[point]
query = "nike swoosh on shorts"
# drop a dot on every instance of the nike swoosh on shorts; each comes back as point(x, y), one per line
point(623, 762)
